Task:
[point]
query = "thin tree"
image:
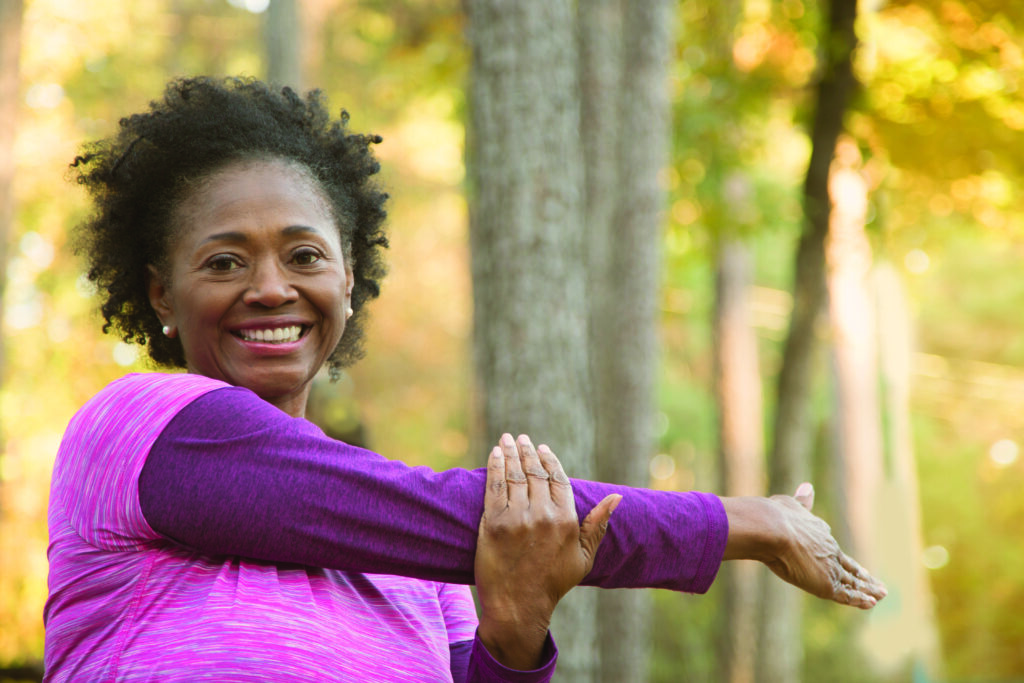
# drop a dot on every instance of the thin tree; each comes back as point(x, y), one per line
point(625, 50)
point(857, 417)
point(282, 44)
point(741, 446)
point(526, 236)
point(11, 12)
point(779, 631)
point(11, 16)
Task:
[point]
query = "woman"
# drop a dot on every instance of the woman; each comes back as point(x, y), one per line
point(200, 529)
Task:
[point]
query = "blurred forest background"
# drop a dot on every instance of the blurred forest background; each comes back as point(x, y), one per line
point(908, 417)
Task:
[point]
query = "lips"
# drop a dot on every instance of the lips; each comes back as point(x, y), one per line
point(283, 334)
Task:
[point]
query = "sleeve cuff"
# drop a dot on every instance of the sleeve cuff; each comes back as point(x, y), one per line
point(714, 546)
point(483, 668)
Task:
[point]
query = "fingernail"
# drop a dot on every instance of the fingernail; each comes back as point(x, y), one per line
point(496, 452)
point(524, 439)
point(506, 440)
point(805, 489)
point(614, 504)
point(543, 449)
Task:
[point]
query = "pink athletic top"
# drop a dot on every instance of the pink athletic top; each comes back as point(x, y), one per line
point(134, 607)
point(128, 603)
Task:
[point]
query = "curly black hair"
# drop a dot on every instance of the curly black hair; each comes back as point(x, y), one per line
point(139, 177)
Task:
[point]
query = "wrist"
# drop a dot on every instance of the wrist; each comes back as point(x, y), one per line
point(516, 645)
point(756, 529)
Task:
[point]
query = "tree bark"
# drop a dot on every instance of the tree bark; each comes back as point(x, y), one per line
point(909, 635)
point(741, 447)
point(857, 415)
point(11, 12)
point(779, 641)
point(282, 35)
point(526, 236)
point(624, 89)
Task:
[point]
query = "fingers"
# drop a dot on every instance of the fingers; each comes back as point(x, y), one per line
point(560, 487)
point(537, 476)
point(852, 585)
point(850, 596)
point(514, 475)
point(595, 525)
point(861, 579)
point(496, 491)
point(805, 495)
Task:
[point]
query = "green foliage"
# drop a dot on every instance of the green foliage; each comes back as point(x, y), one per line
point(940, 121)
point(682, 629)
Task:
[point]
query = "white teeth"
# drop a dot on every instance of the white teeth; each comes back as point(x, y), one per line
point(275, 335)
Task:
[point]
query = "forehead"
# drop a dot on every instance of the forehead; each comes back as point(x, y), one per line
point(254, 195)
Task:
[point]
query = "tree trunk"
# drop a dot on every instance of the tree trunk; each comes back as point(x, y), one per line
point(624, 88)
point(530, 308)
point(779, 642)
point(895, 638)
point(11, 12)
point(282, 34)
point(857, 415)
point(741, 447)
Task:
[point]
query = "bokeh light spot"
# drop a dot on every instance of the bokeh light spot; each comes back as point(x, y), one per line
point(917, 261)
point(935, 557)
point(663, 466)
point(1004, 452)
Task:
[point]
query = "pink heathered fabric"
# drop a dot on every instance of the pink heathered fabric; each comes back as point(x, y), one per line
point(127, 605)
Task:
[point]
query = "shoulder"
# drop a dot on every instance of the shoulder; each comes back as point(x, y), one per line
point(150, 393)
point(148, 386)
point(103, 451)
point(136, 407)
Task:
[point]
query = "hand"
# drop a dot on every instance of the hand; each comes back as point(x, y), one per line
point(798, 546)
point(531, 549)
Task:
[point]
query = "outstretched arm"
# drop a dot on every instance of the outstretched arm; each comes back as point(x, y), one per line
point(232, 475)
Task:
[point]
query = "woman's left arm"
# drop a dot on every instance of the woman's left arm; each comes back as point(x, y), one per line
point(531, 550)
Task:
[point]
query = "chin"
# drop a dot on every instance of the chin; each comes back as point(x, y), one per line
point(279, 386)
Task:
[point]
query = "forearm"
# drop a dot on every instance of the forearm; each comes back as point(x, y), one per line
point(292, 495)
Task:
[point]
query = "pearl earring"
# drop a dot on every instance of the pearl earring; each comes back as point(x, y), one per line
point(349, 312)
point(167, 331)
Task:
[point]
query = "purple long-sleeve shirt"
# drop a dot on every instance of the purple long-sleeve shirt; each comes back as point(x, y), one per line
point(228, 476)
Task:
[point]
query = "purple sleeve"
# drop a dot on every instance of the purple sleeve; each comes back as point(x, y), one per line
point(232, 475)
point(459, 657)
point(483, 668)
point(471, 662)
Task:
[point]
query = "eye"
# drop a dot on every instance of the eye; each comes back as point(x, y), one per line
point(223, 263)
point(306, 256)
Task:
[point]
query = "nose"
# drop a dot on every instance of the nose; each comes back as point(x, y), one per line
point(269, 286)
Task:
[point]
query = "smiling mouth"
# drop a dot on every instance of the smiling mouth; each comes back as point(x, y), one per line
point(275, 335)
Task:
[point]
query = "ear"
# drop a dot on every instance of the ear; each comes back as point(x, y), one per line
point(350, 282)
point(159, 296)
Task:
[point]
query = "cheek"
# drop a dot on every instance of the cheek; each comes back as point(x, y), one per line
point(200, 307)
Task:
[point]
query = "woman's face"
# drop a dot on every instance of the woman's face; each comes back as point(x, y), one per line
point(256, 285)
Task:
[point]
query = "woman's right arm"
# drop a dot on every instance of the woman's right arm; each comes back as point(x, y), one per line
point(232, 475)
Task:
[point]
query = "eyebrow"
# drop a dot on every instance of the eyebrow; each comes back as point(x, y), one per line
point(241, 237)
